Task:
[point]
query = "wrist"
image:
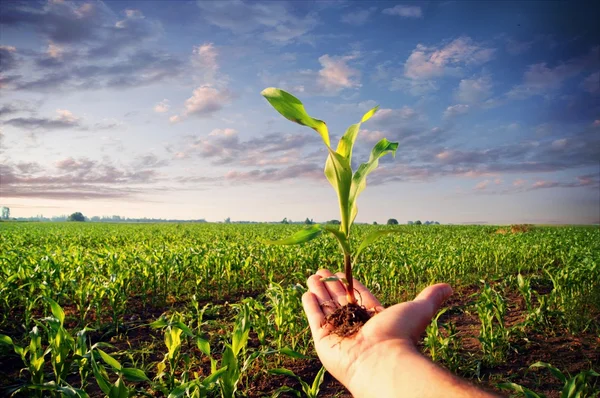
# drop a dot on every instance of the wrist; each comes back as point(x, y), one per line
point(375, 372)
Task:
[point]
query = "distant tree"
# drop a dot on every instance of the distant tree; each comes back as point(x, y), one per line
point(77, 216)
point(374, 222)
point(285, 221)
point(228, 220)
point(5, 213)
point(427, 222)
point(418, 222)
point(334, 222)
point(392, 221)
point(308, 221)
point(410, 223)
point(437, 223)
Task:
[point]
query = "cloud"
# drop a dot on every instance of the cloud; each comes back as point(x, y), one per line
point(205, 101)
point(224, 146)
point(591, 84)
point(64, 120)
point(482, 185)
point(162, 106)
point(358, 17)
point(307, 171)
point(404, 11)
point(540, 79)
point(75, 178)
point(271, 21)
point(89, 47)
point(204, 59)
point(474, 90)
point(456, 110)
point(336, 75)
point(413, 87)
point(8, 59)
point(429, 62)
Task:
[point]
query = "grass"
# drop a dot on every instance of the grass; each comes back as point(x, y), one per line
point(220, 283)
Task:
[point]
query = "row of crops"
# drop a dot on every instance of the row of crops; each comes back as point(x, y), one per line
point(208, 310)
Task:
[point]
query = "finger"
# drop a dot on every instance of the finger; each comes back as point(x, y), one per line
point(365, 297)
point(427, 304)
point(336, 290)
point(316, 317)
point(434, 295)
point(318, 288)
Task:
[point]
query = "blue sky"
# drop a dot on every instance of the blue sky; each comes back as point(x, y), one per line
point(154, 109)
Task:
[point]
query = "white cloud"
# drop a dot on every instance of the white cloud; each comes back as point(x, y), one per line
point(519, 183)
point(336, 75)
point(475, 90)
point(428, 62)
point(482, 185)
point(66, 116)
point(358, 17)
point(456, 110)
point(413, 87)
point(162, 106)
point(404, 11)
point(54, 50)
point(205, 57)
point(205, 101)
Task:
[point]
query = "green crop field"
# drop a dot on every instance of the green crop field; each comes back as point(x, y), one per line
point(208, 310)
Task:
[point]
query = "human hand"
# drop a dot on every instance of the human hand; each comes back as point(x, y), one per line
point(393, 331)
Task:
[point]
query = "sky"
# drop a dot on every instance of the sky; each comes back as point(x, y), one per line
point(153, 109)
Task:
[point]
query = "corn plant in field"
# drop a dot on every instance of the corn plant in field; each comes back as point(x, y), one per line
point(493, 336)
point(442, 346)
point(308, 390)
point(338, 171)
point(579, 386)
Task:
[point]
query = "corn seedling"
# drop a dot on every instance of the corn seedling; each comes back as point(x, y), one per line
point(578, 386)
point(493, 335)
point(442, 346)
point(309, 390)
point(338, 171)
point(118, 389)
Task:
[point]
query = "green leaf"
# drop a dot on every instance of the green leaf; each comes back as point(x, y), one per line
point(339, 174)
point(214, 376)
point(346, 143)
point(314, 390)
point(302, 236)
point(292, 354)
point(159, 323)
point(557, 373)
point(4, 339)
point(339, 235)
point(118, 390)
point(132, 374)
point(186, 330)
point(292, 109)
point(283, 372)
point(203, 346)
point(359, 179)
point(57, 311)
point(100, 379)
point(286, 389)
point(520, 389)
point(181, 390)
point(110, 360)
point(370, 238)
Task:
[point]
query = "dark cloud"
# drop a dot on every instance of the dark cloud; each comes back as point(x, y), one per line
point(90, 47)
point(8, 59)
point(35, 123)
point(224, 146)
point(72, 178)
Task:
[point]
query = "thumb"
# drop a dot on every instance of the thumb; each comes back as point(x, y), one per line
point(429, 302)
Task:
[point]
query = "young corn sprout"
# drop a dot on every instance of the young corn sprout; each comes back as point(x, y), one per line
point(338, 171)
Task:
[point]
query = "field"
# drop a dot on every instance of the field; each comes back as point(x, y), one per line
point(159, 309)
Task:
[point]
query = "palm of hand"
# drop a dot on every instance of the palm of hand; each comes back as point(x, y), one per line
point(401, 324)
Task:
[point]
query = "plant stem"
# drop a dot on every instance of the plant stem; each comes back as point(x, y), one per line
point(350, 283)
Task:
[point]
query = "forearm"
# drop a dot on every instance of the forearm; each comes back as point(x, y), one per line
point(398, 371)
